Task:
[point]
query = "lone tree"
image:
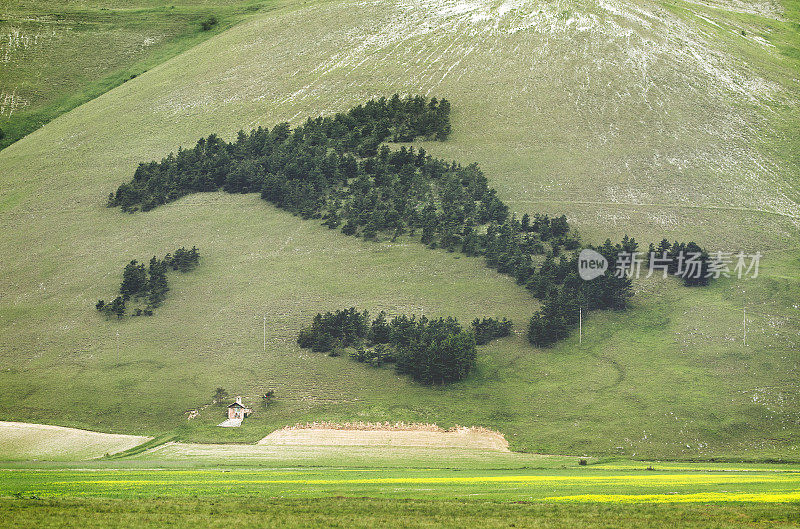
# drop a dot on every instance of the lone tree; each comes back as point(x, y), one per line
point(268, 397)
point(220, 395)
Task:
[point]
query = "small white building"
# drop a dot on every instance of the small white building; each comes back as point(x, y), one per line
point(237, 412)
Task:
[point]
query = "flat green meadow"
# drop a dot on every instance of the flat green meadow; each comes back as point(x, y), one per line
point(344, 512)
point(563, 495)
point(519, 484)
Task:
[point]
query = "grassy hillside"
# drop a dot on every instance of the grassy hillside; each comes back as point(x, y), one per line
point(55, 56)
point(647, 120)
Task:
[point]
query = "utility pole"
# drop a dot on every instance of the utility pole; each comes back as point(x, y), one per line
point(744, 325)
point(580, 325)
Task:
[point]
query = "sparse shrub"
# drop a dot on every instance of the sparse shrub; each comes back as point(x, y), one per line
point(209, 23)
point(220, 395)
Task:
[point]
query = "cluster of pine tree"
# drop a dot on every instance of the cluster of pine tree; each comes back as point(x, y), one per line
point(487, 329)
point(430, 351)
point(563, 293)
point(336, 169)
point(297, 168)
point(343, 328)
point(147, 285)
point(688, 261)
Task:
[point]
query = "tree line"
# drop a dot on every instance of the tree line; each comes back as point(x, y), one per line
point(147, 285)
point(299, 167)
point(431, 351)
point(336, 169)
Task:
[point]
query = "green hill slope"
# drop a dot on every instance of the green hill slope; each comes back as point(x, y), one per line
point(55, 56)
point(651, 121)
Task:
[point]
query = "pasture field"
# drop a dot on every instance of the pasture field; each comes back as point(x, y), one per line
point(178, 455)
point(461, 438)
point(658, 120)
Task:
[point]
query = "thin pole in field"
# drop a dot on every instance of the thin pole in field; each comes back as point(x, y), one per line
point(580, 325)
point(265, 334)
point(744, 325)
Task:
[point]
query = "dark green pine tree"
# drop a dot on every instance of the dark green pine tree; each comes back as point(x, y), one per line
point(157, 282)
point(134, 280)
point(118, 307)
point(380, 332)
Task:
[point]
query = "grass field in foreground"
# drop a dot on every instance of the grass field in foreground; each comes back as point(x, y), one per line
point(396, 489)
point(581, 484)
point(371, 512)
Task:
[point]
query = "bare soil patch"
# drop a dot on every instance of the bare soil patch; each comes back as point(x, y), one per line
point(386, 434)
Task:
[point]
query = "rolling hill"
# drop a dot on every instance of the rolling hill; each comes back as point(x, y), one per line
point(670, 119)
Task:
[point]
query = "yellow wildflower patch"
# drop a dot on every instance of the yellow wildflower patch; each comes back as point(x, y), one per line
point(700, 497)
